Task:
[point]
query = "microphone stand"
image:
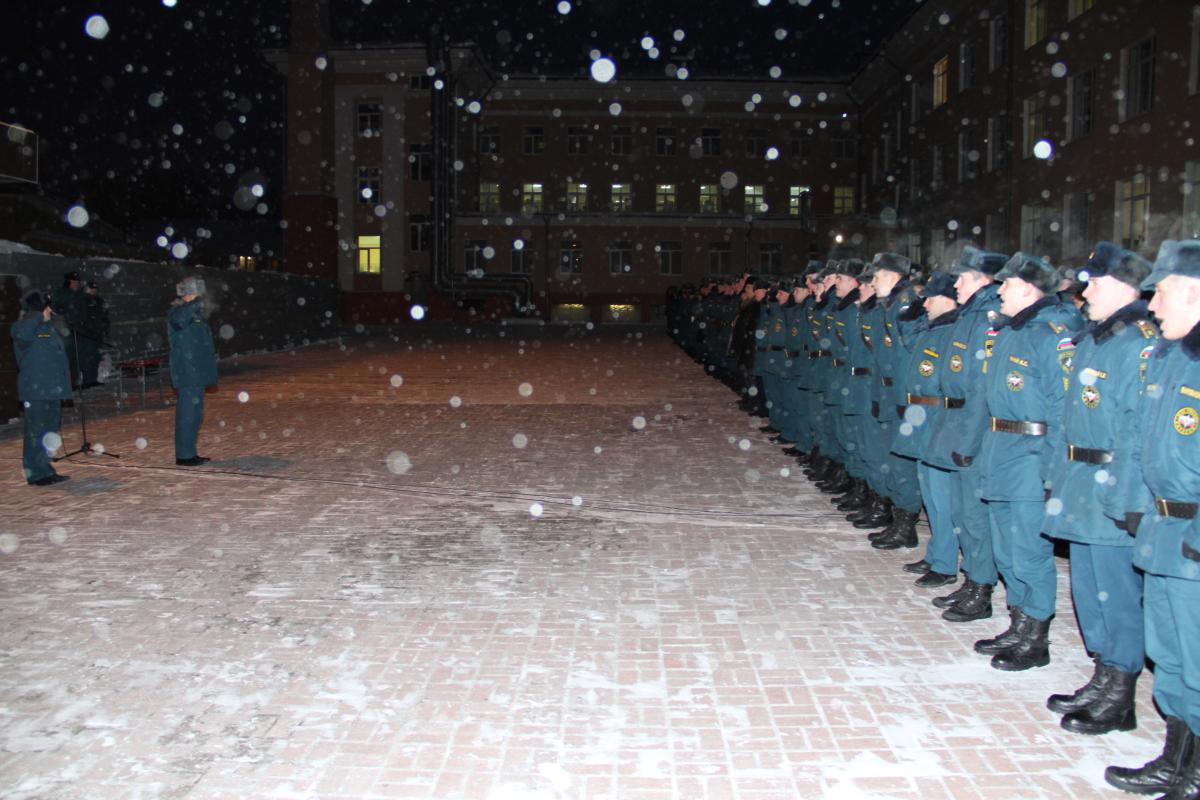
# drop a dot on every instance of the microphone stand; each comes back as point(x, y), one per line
point(86, 447)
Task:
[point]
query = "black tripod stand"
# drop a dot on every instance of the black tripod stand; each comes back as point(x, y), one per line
point(86, 447)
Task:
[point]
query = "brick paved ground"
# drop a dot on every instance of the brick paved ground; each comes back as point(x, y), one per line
point(354, 600)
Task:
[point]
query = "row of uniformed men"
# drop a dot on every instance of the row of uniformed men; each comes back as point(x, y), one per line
point(985, 398)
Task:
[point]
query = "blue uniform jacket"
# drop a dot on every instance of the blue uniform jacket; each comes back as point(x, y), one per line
point(923, 376)
point(1162, 459)
point(1025, 381)
point(960, 430)
point(897, 345)
point(193, 357)
point(843, 324)
point(870, 331)
point(1105, 384)
point(795, 356)
point(860, 368)
point(41, 359)
point(818, 344)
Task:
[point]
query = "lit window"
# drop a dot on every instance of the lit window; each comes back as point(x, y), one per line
point(754, 202)
point(664, 197)
point(1133, 211)
point(622, 197)
point(941, 81)
point(369, 251)
point(1077, 7)
point(843, 199)
point(709, 199)
point(577, 196)
point(799, 201)
point(531, 196)
point(1035, 21)
point(489, 197)
point(1035, 122)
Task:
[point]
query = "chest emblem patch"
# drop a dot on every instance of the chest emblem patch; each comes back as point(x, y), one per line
point(1015, 381)
point(925, 368)
point(956, 363)
point(1186, 420)
point(887, 339)
point(1090, 396)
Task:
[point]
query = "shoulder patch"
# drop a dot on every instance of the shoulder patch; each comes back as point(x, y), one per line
point(1057, 328)
point(1189, 392)
point(1148, 330)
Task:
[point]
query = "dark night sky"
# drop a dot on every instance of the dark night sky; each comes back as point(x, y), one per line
point(169, 113)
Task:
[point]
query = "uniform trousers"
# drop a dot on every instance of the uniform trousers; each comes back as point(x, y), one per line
point(1172, 613)
point(942, 550)
point(1107, 591)
point(970, 516)
point(189, 412)
point(41, 417)
point(1023, 556)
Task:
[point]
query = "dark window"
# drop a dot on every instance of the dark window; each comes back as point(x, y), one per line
point(473, 258)
point(1139, 78)
point(998, 42)
point(522, 260)
point(710, 141)
point(622, 141)
point(666, 141)
point(756, 144)
point(720, 258)
point(370, 118)
point(577, 140)
point(489, 140)
point(420, 232)
point(770, 257)
point(368, 185)
point(419, 82)
point(844, 148)
point(533, 140)
point(1083, 103)
point(670, 258)
point(800, 142)
point(620, 258)
point(420, 162)
point(967, 68)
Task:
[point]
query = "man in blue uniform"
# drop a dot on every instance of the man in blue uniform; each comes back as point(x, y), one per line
point(1158, 483)
point(1025, 386)
point(193, 366)
point(958, 432)
point(925, 401)
point(842, 319)
point(43, 383)
point(1102, 395)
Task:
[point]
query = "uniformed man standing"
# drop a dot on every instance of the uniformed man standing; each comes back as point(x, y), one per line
point(43, 383)
point(193, 366)
point(70, 305)
point(1025, 387)
point(92, 335)
point(1105, 383)
point(958, 432)
point(1158, 480)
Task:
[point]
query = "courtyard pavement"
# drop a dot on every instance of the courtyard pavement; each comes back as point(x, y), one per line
point(508, 567)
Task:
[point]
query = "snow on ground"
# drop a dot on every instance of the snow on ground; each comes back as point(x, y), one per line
point(354, 600)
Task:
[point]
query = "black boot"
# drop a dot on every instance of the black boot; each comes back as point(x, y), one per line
point(1112, 711)
point(856, 498)
point(977, 604)
point(838, 483)
point(948, 600)
point(1033, 649)
point(1188, 786)
point(933, 580)
point(917, 567)
point(821, 469)
point(998, 644)
point(1162, 773)
point(904, 531)
point(877, 516)
point(1082, 697)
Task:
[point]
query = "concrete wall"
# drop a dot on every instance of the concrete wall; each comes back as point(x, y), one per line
point(249, 311)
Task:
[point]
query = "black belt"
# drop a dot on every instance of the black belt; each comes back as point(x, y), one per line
point(793, 353)
point(875, 409)
point(818, 354)
point(776, 347)
point(888, 381)
point(1089, 456)
point(1171, 508)
point(1019, 426)
point(839, 362)
point(762, 349)
point(860, 370)
point(924, 399)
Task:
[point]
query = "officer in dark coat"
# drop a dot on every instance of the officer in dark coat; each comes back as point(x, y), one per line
point(1025, 384)
point(1158, 479)
point(91, 335)
point(70, 305)
point(44, 382)
point(193, 366)
point(1110, 362)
